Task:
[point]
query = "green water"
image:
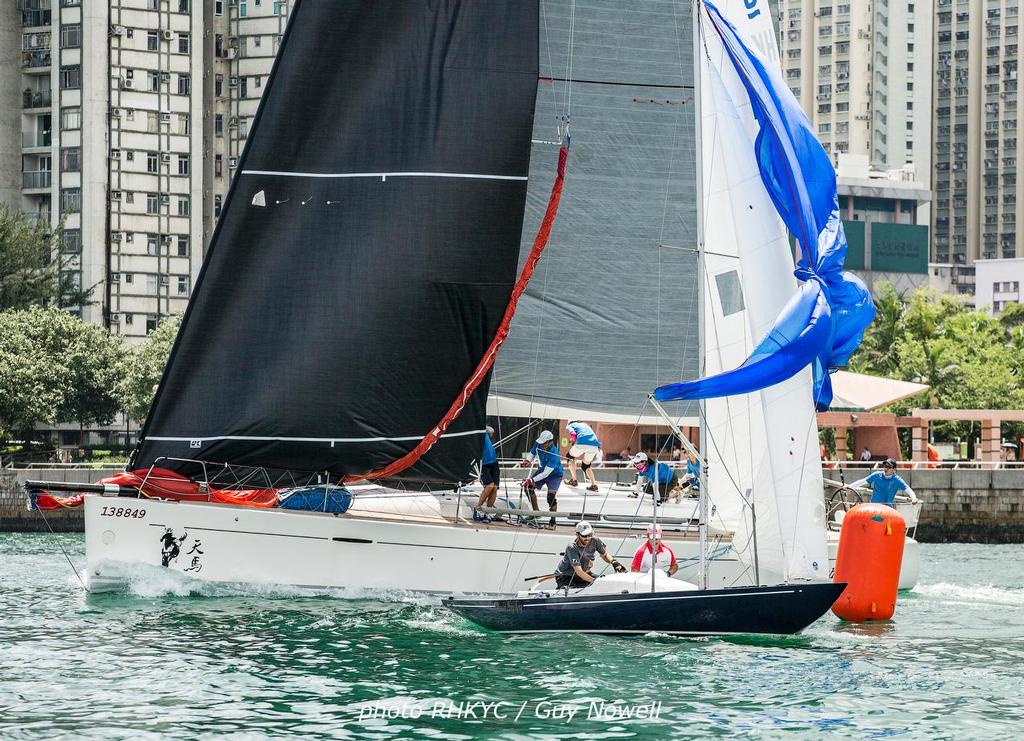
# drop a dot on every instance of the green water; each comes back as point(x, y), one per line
point(160, 662)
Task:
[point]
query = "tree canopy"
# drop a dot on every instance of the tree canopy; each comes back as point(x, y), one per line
point(145, 367)
point(56, 368)
point(970, 359)
point(34, 271)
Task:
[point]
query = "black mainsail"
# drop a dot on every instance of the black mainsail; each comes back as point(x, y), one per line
point(367, 248)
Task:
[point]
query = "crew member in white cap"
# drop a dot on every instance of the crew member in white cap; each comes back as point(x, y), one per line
point(549, 470)
point(574, 568)
point(645, 555)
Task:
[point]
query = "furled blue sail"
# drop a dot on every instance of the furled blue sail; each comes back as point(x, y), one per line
point(825, 320)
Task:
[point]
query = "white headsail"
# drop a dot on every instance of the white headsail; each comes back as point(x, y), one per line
point(761, 448)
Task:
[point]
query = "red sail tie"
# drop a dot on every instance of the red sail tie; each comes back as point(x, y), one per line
point(487, 361)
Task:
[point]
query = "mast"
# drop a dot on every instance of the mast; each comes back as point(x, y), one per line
point(702, 507)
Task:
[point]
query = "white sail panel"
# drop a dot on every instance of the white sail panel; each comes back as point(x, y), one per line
point(762, 448)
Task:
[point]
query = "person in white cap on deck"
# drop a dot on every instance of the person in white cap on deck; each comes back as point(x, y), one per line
point(645, 554)
point(586, 448)
point(574, 568)
point(549, 470)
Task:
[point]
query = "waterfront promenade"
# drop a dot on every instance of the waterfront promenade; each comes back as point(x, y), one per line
point(962, 505)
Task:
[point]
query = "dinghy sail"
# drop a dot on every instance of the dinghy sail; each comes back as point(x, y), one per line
point(367, 249)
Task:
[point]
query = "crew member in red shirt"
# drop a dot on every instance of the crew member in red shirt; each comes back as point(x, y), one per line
point(666, 559)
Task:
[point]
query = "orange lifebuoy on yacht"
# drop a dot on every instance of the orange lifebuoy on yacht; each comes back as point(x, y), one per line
point(869, 559)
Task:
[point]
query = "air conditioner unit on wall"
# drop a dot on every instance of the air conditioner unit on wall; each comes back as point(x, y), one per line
point(115, 195)
point(115, 236)
point(233, 121)
point(127, 84)
point(117, 30)
point(115, 154)
point(115, 112)
point(166, 239)
point(164, 198)
point(115, 277)
point(233, 162)
point(165, 156)
point(164, 280)
point(232, 81)
point(166, 35)
point(165, 76)
point(165, 117)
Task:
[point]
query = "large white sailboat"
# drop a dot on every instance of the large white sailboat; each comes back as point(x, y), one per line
point(406, 180)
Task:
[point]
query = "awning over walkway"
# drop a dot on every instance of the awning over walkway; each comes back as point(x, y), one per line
point(857, 392)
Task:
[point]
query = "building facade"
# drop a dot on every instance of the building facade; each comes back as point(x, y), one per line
point(976, 208)
point(862, 71)
point(123, 122)
point(998, 283)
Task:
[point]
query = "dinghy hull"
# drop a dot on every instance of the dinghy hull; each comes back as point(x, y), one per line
point(778, 610)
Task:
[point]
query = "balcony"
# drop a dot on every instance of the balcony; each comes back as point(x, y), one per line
point(37, 217)
point(35, 59)
point(32, 18)
point(30, 139)
point(36, 99)
point(35, 179)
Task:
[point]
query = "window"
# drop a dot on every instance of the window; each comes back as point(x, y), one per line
point(154, 4)
point(71, 36)
point(129, 197)
point(184, 40)
point(218, 203)
point(184, 84)
point(71, 77)
point(184, 6)
point(152, 244)
point(257, 81)
point(152, 287)
point(71, 241)
point(128, 318)
point(183, 164)
point(129, 277)
point(152, 122)
point(153, 81)
point(152, 164)
point(218, 45)
point(218, 124)
point(70, 118)
point(256, 41)
point(218, 7)
point(218, 165)
point(129, 237)
point(152, 203)
point(71, 159)
point(244, 87)
point(218, 85)
point(150, 324)
point(842, 107)
point(70, 200)
point(184, 206)
point(183, 126)
point(243, 8)
point(182, 245)
point(152, 40)
point(183, 285)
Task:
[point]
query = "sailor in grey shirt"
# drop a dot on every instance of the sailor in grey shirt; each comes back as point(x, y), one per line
point(574, 568)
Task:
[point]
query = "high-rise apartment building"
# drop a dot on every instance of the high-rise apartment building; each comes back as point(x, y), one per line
point(862, 72)
point(124, 122)
point(108, 107)
point(976, 209)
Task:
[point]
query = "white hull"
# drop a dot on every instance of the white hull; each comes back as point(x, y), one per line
point(387, 542)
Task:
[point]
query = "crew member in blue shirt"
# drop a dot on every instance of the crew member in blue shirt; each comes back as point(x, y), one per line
point(586, 448)
point(490, 477)
point(691, 479)
point(549, 470)
point(648, 470)
point(885, 484)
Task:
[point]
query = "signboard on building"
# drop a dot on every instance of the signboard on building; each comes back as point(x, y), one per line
point(899, 248)
point(855, 245)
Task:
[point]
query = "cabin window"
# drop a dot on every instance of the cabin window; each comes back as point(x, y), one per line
point(730, 293)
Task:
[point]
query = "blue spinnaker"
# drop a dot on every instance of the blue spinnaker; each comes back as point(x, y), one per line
point(825, 321)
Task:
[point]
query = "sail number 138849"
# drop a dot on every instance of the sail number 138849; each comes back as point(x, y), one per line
point(122, 512)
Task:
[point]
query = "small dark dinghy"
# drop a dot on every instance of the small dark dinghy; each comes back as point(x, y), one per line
point(782, 610)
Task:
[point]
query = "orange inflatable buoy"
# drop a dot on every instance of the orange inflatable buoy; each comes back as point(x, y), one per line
point(869, 559)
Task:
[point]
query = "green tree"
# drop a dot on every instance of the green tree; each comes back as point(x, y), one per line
point(34, 271)
point(146, 366)
point(55, 368)
point(1012, 315)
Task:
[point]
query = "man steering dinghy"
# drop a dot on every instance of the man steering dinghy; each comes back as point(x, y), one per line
point(574, 569)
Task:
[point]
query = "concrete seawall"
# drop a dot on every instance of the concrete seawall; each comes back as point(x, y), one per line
point(961, 506)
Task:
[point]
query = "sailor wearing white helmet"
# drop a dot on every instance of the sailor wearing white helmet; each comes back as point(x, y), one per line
point(586, 448)
point(574, 568)
point(549, 470)
point(645, 555)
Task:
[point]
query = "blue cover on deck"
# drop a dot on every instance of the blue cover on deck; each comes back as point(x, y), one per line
point(334, 499)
